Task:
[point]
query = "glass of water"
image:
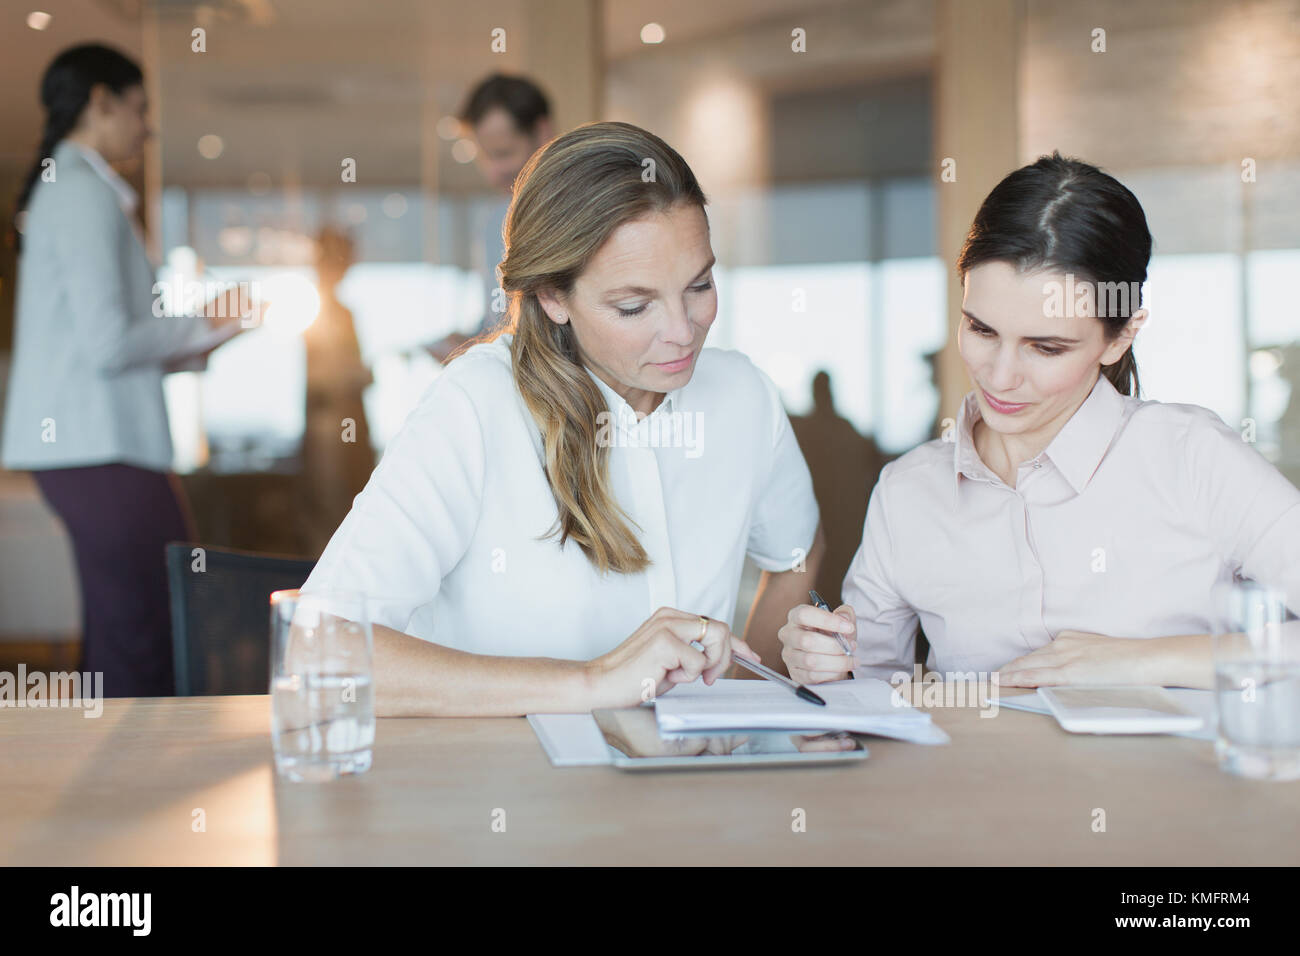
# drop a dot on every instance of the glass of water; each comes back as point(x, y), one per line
point(322, 704)
point(1257, 684)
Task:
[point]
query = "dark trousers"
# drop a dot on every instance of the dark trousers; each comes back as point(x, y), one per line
point(120, 517)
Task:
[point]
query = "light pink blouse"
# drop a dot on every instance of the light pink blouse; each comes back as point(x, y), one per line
point(1122, 526)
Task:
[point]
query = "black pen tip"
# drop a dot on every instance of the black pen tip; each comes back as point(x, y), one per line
point(809, 696)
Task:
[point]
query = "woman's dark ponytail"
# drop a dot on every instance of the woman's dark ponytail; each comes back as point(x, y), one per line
point(65, 91)
point(1123, 372)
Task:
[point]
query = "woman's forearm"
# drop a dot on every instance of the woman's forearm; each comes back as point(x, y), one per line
point(1186, 660)
point(416, 678)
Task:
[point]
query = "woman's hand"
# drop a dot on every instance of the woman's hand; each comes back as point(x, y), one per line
point(234, 307)
point(659, 655)
point(811, 653)
point(1077, 657)
point(817, 743)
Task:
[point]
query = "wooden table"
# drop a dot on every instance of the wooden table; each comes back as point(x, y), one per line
point(126, 788)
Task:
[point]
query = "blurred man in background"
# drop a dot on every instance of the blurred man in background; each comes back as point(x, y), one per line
point(510, 119)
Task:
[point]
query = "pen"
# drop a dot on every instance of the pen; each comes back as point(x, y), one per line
point(802, 692)
point(817, 600)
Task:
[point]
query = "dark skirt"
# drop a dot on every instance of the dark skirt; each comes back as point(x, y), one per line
point(120, 518)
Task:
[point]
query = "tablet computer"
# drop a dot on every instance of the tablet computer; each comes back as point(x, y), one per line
point(1118, 710)
point(635, 744)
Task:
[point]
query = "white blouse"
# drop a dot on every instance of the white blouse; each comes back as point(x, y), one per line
point(447, 538)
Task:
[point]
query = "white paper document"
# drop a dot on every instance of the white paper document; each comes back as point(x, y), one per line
point(866, 706)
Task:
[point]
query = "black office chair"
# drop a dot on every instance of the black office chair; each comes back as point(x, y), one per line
point(221, 616)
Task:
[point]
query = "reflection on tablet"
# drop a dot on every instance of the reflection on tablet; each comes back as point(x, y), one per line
point(635, 741)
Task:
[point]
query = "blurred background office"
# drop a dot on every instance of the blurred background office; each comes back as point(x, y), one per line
point(844, 147)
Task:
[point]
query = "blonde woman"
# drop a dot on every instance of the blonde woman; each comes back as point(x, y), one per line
point(565, 514)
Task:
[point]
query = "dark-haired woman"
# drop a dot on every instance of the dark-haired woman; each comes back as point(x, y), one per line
point(1067, 532)
point(85, 409)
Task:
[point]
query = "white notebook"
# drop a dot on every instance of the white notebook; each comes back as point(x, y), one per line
point(1200, 702)
point(864, 706)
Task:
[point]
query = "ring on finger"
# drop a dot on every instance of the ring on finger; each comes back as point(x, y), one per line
point(698, 643)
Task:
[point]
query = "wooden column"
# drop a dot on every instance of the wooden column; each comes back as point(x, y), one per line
point(563, 51)
point(151, 62)
point(977, 128)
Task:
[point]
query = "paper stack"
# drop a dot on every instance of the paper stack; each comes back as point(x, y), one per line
point(863, 706)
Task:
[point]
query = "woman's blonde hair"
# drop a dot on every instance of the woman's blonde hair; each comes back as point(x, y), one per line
point(569, 198)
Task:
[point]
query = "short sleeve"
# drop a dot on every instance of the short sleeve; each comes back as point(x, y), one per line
point(415, 518)
point(886, 623)
point(1251, 510)
point(785, 515)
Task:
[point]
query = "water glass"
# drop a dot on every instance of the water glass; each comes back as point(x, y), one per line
point(1257, 684)
point(322, 703)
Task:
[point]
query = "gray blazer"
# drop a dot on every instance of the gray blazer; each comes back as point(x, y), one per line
point(89, 357)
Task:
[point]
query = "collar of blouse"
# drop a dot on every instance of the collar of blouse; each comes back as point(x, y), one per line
point(1076, 451)
point(624, 418)
point(126, 196)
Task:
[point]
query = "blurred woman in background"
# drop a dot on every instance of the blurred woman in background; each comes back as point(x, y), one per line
point(85, 411)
